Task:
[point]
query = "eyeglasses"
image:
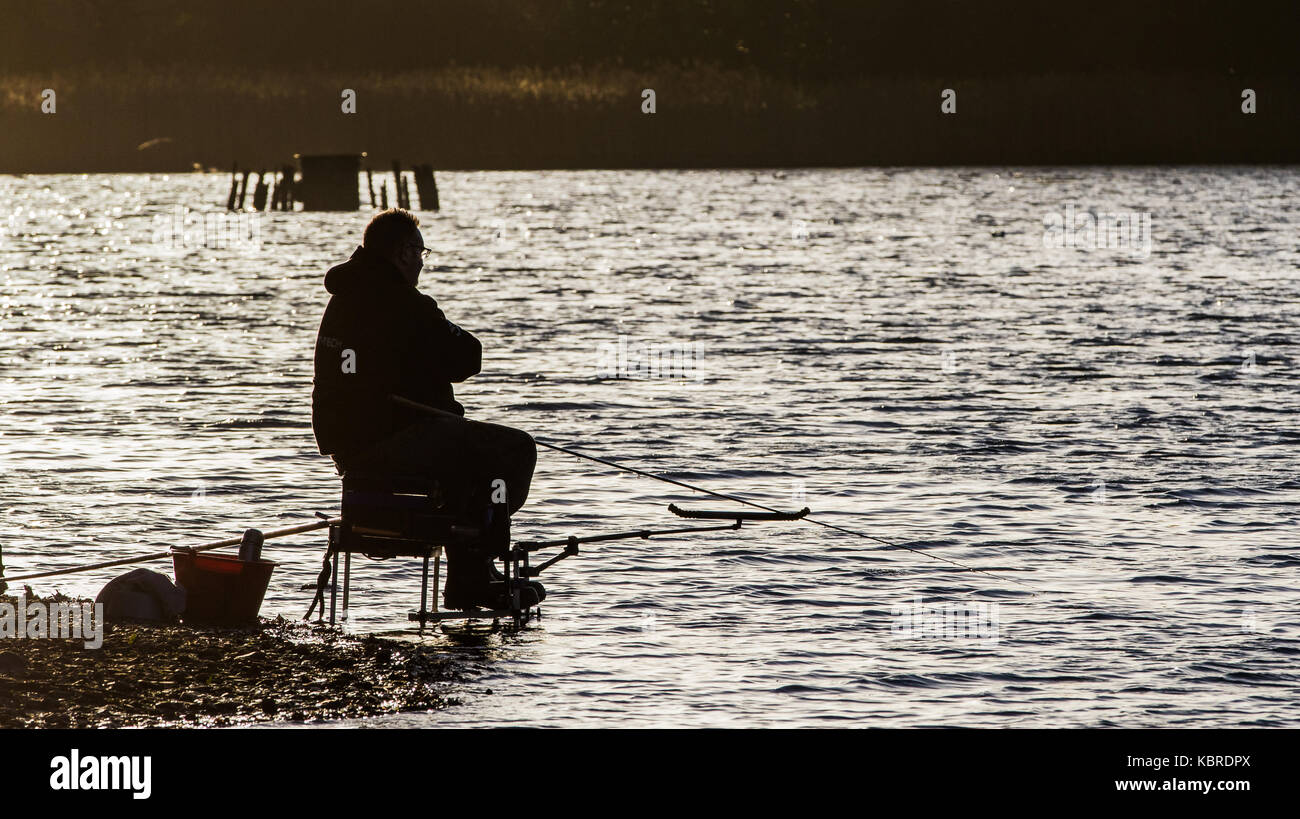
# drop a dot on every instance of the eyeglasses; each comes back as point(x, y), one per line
point(424, 251)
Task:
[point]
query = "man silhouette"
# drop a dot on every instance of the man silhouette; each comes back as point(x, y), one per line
point(381, 337)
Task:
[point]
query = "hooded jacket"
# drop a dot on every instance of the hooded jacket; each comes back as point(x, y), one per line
point(381, 336)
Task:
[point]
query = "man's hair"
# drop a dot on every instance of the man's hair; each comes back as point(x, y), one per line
point(389, 229)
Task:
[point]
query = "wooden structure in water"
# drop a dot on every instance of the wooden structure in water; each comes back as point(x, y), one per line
point(271, 190)
point(330, 183)
point(283, 197)
point(426, 188)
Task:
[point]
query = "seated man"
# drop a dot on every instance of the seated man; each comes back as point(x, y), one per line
point(380, 337)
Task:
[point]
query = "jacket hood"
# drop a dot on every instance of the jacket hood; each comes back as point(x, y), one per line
point(365, 269)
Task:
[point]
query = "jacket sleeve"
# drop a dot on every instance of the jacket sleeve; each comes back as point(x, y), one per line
point(454, 353)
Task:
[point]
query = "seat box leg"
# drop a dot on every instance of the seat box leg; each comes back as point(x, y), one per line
point(424, 590)
point(347, 580)
point(334, 586)
point(437, 575)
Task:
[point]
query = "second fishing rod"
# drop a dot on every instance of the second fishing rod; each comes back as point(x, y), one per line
point(434, 411)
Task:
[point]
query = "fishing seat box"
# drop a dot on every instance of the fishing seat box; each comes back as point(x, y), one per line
point(400, 516)
point(390, 516)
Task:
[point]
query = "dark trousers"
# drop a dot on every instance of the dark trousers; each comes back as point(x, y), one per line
point(464, 456)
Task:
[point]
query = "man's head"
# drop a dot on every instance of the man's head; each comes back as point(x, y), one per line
point(395, 235)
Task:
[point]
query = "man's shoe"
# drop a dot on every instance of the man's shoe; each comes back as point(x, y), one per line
point(459, 599)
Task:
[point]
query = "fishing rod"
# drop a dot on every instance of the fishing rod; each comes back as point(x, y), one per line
point(415, 405)
point(203, 547)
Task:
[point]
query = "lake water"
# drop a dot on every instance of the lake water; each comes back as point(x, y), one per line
point(1108, 432)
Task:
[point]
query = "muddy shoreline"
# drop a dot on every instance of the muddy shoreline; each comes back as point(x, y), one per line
point(176, 676)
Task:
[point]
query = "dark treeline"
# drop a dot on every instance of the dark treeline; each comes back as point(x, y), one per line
point(812, 39)
point(168, 85)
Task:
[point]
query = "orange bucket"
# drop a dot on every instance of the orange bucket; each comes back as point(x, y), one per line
point(221, 590)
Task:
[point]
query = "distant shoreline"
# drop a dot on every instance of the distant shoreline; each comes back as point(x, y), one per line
point(706, 116)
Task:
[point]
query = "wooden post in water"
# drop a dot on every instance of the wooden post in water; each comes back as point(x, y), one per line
point(426, 187)
point(277, 191)
point(259, 192)
point(283, 186)
point(397, 184)
point(419, 185)
point(383, 194)
point(234, 186)
point(290, 188)
point(370, 186)
point(243, 189)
